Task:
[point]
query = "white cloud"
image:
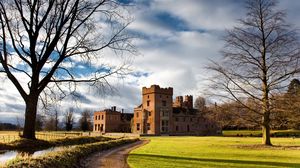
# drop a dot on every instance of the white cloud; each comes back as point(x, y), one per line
point(171, 56)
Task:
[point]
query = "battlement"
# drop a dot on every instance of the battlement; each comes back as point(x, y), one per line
point(188, 101)
point(178, 101)
point(157, 89)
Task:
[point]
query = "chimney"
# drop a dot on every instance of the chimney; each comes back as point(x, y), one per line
point(113, 108)
point(122, 111)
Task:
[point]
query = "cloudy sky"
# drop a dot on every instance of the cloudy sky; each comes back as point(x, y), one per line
point(177, 38)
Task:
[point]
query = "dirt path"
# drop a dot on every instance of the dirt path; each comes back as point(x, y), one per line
point(113, 158)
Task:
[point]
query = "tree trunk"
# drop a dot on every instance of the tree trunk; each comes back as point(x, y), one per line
point(266, 139)
point(30, 117)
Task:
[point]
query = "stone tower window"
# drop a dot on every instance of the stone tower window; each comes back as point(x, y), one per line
point(149, 113)
point(148, 103)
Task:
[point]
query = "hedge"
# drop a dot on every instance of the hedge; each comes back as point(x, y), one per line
point(67, 158)
point(33, 145)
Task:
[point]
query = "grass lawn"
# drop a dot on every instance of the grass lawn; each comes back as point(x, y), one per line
point(215, 152)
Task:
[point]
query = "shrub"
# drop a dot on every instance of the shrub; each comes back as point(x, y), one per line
point(67, 158)
point(33, 145)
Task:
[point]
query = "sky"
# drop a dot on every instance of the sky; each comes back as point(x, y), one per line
point(176, 40)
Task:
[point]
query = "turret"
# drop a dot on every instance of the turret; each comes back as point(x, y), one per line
point(188, 101)
point(178, 101)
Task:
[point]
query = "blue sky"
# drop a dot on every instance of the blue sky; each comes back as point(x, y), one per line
point(176, 40)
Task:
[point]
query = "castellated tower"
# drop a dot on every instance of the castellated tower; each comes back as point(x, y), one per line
point(155, 111)
point(188, 101)
point(178, 101)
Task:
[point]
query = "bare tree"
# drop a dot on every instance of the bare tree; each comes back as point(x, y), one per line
point(45, 42)
point(287, 107)
point(259, 56)
point(56, 119)
point(85, 121)
point(200, 104)
point(69, 119)
point(49, 124)
point(39, 122)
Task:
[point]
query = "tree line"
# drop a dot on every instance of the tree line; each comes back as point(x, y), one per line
point(231, 115)
point(65, 121)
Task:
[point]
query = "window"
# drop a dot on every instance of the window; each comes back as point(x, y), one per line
point(177, 128)
point(102, 116)
point(137, 126)
point(164, 103)
point(101, 127)
point(191, 119)
point(176, 119)
point(148, 96)
point(164, 125)
point(149, 113)
point(183, 118)
point(148, 103)
point(95, 127)
point(188, 128)
point(98, 127)
point(148, 126)
point(165, 113)
point(137, 115)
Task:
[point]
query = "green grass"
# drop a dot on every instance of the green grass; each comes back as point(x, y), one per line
point(215, 152)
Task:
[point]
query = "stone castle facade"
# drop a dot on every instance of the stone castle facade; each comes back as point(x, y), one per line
point(158, 115)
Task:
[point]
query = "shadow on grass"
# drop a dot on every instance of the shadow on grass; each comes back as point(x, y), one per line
point(228, 161)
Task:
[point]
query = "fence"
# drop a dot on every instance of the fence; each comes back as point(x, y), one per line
point(9, 137)
point(57, 135)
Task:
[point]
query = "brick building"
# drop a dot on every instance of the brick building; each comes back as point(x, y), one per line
point(158, 115)
point(111, 120)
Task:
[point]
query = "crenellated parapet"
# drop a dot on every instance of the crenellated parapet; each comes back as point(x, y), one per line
point(188, 101)
point(178, 101)
point(157, 89)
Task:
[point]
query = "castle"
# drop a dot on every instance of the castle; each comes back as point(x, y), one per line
point(158, 115)
point(111, 120)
